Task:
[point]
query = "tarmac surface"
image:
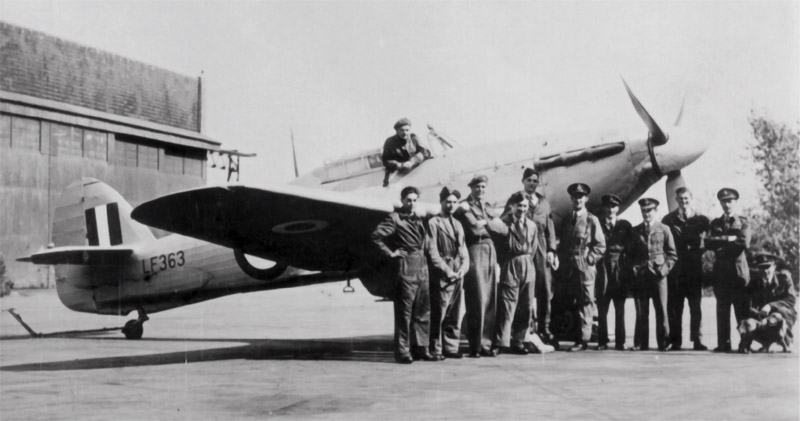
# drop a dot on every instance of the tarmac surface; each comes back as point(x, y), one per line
point(314, 352)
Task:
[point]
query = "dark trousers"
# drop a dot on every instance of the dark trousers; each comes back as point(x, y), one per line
point(727, 297)
point(680, 290)
point(543, 293)
point(686, 284)
point(657, 290)
point(515, 301)
point(412, 309)
point(608, 288)
point(446, 307)
point(480, 295)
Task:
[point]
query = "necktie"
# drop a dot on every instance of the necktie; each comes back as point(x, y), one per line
point(574, 218)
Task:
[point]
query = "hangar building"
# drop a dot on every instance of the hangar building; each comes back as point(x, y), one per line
point(69, 111)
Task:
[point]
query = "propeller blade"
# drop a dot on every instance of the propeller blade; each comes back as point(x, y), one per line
point(657, 136)
point(680, 112)
point(294, 154)
point(674, 181)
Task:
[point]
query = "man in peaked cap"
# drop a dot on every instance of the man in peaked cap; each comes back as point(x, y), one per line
point(401, 152)
point(449, 263)
point(402, 238)
point(652, 253)
point(582, 246)
point(685, 281)
point(613, 273)
point(772, 305)
point(480, 286)
point(729, 238)
point(544, 258)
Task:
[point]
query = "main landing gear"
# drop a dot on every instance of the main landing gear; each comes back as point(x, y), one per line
point(134, 328)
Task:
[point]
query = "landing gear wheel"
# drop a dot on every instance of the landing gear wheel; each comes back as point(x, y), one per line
point(133, 329)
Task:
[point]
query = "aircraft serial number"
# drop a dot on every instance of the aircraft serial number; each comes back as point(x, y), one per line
point(163, 262)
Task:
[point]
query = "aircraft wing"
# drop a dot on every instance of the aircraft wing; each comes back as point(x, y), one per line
point(79, 255)
point(308, 228)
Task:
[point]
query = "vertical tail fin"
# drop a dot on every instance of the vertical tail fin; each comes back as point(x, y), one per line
point(90, 212)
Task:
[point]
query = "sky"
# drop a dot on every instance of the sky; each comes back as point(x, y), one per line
point(338, 74)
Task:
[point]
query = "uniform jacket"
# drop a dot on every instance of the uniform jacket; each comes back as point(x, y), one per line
point(779, 294)
point(652, 253)
point(546, 231)
point(397, 150)
point(448, 248)
point(516, 240)
point(616, 259)
point(729, 239)
point(478, 211)
point(582, 240)
point(688, 233)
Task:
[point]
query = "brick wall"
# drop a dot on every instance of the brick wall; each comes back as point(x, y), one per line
point(42, 66)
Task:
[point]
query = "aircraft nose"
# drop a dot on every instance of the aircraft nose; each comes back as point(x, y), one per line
point(683, 147)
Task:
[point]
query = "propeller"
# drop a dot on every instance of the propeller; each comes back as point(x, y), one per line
point(656, 137)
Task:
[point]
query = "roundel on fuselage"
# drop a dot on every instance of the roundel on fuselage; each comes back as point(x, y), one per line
point(260, 273)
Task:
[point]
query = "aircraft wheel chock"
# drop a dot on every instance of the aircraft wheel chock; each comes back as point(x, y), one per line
point(133, 329)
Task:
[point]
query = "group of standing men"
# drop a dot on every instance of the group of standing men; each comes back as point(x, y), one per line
point(597, 260)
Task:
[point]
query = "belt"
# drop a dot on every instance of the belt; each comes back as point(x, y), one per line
point(479, 238)
point(519, 254)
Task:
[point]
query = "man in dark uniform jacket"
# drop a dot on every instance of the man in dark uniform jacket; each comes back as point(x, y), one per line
point(772, 304)
point(402, 237)
point(480, 285)
point(613, 273)
point(685, 281)
point(729, 239)
point(401, 152)
point(517, 276)
point(449, 264)
point(544, 259)
point(582, 246)
point(652, 253)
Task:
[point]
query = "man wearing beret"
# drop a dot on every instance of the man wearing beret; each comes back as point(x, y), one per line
point(613, 273)
point(449, 264)
point(582, 246)
point(729, 239)
point(652, 253)
point(403, 238)
point(772, 305)
point(479, 283)
point(401, 152)
point(515, 251)
point(685, 281)
point(544, 258)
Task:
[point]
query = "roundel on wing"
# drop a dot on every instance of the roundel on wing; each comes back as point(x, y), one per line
point(304, 226)
point(260, 273)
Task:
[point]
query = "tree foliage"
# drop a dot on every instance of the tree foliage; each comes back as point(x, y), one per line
point(775, 152)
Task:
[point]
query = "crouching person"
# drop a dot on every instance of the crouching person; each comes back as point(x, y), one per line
point(517, 276)
point(772, 312)
point(449, 264)
point(402, 237)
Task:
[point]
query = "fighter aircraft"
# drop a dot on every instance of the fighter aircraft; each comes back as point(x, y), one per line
point(317, 228)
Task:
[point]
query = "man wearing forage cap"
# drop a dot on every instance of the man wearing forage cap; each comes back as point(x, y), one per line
point(403, 238)
point(582, 246)
point(652, 253)
point(544, 259)
point(480, 287)
point(449, 263)
point(401, 152)
point(729, 239)
point(613, 273)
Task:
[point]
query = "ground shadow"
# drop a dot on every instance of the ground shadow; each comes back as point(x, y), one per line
point(363, 349)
